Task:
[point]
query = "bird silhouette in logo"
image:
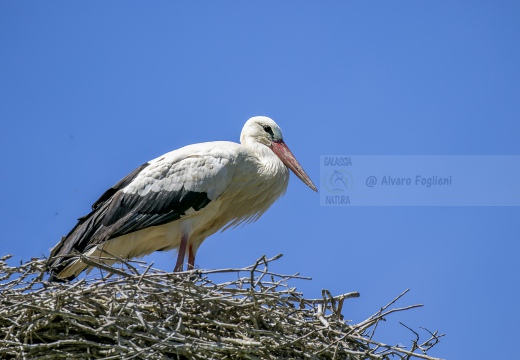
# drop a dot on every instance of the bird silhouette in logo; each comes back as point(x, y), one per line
point(338, 181)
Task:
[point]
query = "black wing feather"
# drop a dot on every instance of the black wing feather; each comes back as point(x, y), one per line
point(155, 208)
point(118, 186)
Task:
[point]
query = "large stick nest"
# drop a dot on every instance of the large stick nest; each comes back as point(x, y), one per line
point(139, 312)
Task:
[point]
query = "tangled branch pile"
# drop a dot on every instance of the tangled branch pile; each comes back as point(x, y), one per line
point(152, 314)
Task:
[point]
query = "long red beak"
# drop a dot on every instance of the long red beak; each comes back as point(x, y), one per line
point(282, 151)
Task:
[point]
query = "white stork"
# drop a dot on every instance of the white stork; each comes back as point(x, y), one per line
point(180, 198)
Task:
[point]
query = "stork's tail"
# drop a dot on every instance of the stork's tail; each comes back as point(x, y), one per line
point(66, 252)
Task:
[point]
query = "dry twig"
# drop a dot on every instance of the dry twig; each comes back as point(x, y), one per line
point(141, 312)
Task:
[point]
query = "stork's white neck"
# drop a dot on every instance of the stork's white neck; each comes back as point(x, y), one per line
point(257, 137)
point(271, 166)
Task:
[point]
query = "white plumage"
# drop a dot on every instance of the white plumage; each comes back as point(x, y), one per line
point(180, 198)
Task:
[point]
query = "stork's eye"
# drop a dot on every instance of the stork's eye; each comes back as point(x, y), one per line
point(268, 130)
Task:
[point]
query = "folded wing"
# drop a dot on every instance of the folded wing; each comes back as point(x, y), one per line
point(156, 193)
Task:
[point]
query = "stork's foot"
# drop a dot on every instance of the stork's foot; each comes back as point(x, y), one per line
point(178, 269)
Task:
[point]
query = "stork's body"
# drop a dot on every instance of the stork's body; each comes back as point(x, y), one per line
point(179, 199)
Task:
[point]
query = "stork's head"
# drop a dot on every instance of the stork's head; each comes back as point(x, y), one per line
point(264, 130)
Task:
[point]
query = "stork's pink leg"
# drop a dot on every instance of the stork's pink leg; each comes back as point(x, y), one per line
point(191, 258)
point(182, 253)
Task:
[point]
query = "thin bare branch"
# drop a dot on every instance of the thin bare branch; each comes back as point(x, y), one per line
point(138, 312)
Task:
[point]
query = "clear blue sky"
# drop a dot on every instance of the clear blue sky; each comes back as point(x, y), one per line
point(90, 90)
